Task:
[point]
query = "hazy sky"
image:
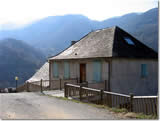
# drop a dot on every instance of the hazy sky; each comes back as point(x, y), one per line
point(24, 11)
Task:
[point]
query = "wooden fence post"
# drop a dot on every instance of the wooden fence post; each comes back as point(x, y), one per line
point(77, 80)
point(105, 82)
point(41, 86)
point(80, 92)
point(101, 92)
point(60, 84)
point(65, 90)
point(87, 83)
point(131, 102)
point(27, 86)
point(49, 84)
point(156, 107)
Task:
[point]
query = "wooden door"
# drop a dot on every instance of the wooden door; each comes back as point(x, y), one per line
point(82, 73)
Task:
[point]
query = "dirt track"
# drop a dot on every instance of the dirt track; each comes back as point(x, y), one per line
point(37, 106)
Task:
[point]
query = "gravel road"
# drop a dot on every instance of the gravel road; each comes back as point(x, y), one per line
point(37, 106)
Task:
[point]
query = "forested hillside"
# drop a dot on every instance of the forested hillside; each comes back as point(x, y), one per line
point(18, 59)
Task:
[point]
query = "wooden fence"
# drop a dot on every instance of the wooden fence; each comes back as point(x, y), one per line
point(59, 84)
point(144, 104)
point(44, 85)
point(34, 86)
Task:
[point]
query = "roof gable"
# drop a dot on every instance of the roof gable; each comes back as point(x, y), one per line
point(121, 48)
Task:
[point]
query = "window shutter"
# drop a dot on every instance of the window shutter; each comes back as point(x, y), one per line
point(97, 71)
point(143, 70)
point(66, 70)
point(55, 69)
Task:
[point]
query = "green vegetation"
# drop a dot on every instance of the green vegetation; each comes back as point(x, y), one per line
point(143, 116)
point(118, 110)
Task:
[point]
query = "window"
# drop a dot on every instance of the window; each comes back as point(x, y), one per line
point(143, 70)
point(66, 70)
point(129, 41)
point(97, 71)
point(55, 69)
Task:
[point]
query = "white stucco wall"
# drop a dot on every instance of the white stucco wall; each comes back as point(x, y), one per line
point(126, 77)
point(75, 69)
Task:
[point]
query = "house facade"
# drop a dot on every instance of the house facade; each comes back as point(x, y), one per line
point(109, 59)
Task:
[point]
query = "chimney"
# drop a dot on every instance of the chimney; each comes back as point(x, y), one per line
point(73, 42)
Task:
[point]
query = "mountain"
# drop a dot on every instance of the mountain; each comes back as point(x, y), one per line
point(54, 33)
point(18, 59)
point(143, 26)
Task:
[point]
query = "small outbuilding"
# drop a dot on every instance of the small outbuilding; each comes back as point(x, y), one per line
point(42, 73)
point(109, 59)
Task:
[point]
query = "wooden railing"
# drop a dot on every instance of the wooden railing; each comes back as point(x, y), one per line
point(72, 90)
point(44, 85)
point(117, 100)
point(144, 104)
point(34, 86)
point(59, 84)
point(22, 88)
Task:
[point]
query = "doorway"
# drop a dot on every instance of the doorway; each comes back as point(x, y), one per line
point(82, 73)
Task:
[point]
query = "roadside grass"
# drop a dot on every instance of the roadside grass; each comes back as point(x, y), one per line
point(115, 110)
point(143, 116)
point(118, 110)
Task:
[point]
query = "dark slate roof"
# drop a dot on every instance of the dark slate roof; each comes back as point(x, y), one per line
point(42, 73)
point(107, 42)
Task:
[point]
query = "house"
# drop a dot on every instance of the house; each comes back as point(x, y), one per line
point(109, 59)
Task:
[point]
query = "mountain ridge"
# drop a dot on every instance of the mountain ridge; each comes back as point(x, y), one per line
point(54, 33)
